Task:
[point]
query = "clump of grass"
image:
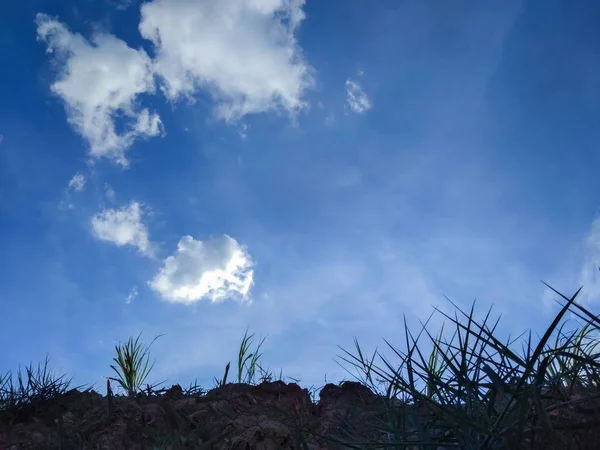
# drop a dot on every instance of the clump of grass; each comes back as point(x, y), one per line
point(132, 365)
point(578, 345)
point(248, 361)
point(476, 392)
point(22, 400)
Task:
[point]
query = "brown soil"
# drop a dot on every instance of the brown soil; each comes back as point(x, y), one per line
point(272, 415)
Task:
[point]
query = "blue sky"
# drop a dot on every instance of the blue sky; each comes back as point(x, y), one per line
point(309, 171)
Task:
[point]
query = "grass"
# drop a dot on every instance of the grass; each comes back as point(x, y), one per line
point(25, 398)
point(469, 391)
point(480, 392)
point(132, 365)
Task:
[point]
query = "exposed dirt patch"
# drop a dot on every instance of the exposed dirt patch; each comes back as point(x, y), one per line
point(271, 415)
point(237, 416)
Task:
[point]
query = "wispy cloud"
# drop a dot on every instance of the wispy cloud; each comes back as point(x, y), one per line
point(589, 274)
point(243, 130)
point(133, 293)
point(579, 268)
point(122, 4)
point(109, 192)
point(214, 269)
point(122, 227)
point(356, 98)
point(77, 183)
point(99, 80)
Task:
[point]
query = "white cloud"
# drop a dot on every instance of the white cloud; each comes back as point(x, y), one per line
point(214, 269)
point(133, 293)
point(110, 192)
point(123, 227)
point(100, 80)
point(579, 270)
point(357, 98)
point(242, 51)
point(243, 130)
point(77, 183)
point(589, 275)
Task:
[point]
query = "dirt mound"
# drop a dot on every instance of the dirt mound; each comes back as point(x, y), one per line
point(238, 416)
point(272, 415)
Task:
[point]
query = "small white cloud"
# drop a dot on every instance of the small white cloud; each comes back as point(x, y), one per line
point(99, 81)
point(133, 293)
point(214, 269)
point(110, 192)
point(244, 52)
point(123, 227)
point(77, 183)
point(66, 205)
point(357, 99)
point(243, 130)
point(329, 120)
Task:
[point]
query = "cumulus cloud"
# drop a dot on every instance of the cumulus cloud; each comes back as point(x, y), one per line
point(123, 227)
point(214, 270)
point(243, 52)
point(77, 183)
point(99, 81)
point(357, 98)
